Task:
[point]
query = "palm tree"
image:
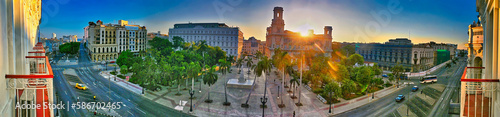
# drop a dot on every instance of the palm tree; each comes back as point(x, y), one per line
point(178, 74)
point(210, 79)
point(289, 71)
point(193, 69)
point(294, 80)
point(254, 67)
point(225, 67)
point(264, 65)
point(249, 63)
point(239, 63)
point(258, 55)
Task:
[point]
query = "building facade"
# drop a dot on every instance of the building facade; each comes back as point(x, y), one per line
point(388, 54)
point(293, 42)
point(23, 60)
point(422, 57)
point(251, 46)
point(229, 39)
point(479, 91)
point(70, 38)
point(106, 41)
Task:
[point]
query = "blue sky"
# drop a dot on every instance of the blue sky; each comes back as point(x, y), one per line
point(427, 20)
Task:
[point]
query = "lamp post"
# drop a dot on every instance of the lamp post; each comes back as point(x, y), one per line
point(263, 101)
point(191, 92)
point(331, 102)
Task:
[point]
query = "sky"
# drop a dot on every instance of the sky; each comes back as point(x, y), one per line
point(443, 21)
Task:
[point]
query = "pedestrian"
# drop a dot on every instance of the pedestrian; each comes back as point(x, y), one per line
point(94, 97)
point(293, 113)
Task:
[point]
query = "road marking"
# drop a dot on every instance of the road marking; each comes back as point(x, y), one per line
point(130, 113)
point(66, 92)
point(141, 110)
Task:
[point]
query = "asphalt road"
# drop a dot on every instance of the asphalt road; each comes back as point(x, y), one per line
point(105, 91)
point(385, 106)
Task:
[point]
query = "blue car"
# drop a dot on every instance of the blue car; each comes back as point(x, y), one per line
point(384, 75)
point(400, 98)
point(415, 88)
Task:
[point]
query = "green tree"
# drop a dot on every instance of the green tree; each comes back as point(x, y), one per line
point(178, 41)
point(353, 59)
point(210, 79)
point(348, 50)
point(334, 88)
point(397, 71)
point(125, 58)
point(225, 67)
point(348, 86)
point(249, 63)
point(70, 48)
point(193, 69)
point(239, 63)
point(123, 69)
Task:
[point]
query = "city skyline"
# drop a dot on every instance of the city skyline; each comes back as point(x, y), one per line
point(443, 21)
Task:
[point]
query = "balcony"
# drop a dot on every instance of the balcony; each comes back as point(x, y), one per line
point(34, 87)
point(477, 93)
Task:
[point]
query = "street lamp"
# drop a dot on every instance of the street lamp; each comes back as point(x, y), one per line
point(191, 92)
point(331, 102)
point(263, 101)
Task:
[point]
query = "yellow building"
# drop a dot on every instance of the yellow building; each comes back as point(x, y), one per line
point(106, 41)
point(294, 42)
point(479, 92)
point(23, 63)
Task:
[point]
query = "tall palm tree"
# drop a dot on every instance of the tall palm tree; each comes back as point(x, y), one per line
point(239, 63)
point(294, 80)
point(178, 74)
point(264, 65)
point(225, 67)
point(253, 85)
point(210, 79)
point(289, 71)
point(249, 63)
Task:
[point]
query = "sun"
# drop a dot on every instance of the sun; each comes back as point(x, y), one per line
point(304, 33)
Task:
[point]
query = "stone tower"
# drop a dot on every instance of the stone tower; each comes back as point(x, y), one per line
point(278, 24)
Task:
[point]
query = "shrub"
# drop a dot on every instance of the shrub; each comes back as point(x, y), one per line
point(113, 73)
point(387, 84)
point(318, 91)
point(121, 76)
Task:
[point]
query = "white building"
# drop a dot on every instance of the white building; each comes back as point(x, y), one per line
point(106, 41)
point(70, 38)
point(422, 57)
point(229, 39)
point(54, 36)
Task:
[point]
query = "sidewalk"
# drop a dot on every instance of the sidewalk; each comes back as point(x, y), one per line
point(125, 84)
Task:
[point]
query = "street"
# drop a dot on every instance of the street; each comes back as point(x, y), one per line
point(105, 91)
point(387, 105)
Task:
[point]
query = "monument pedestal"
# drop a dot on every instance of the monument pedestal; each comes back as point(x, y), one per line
point(240, 83)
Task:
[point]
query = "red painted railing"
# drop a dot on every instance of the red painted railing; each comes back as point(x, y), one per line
point(477, 93)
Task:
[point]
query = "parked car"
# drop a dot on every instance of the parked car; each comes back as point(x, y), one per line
point(400, 98)
point(80, 86)
point(384, 75)
point(415, 88)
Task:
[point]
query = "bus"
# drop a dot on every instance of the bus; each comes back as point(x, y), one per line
point(429, 79)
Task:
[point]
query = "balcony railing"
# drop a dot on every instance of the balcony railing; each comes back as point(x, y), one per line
point(477, 93)
point(36, 87)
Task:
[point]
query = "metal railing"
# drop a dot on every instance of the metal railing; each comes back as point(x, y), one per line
point(34, 88)
point(477, 93)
